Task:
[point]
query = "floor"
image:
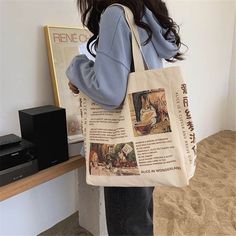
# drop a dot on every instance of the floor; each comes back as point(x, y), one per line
point(67, 227)
point(207, 207)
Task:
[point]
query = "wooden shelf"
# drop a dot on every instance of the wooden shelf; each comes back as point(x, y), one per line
point(40, 177)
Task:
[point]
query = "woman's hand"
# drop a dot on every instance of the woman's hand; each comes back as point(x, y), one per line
point(73, 88)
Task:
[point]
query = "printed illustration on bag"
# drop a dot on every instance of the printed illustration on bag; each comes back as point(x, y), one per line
point(109, 160)
point(149, 112)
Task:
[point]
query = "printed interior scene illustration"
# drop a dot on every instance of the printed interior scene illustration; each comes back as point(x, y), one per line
point(149, 112)
point(119, 159)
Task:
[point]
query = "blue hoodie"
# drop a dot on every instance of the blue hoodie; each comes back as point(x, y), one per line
point(105, 80)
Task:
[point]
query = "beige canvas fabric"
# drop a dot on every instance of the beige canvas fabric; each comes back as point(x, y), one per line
point(150, 140)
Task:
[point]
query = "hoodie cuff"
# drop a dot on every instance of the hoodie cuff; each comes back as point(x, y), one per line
point(72, 70)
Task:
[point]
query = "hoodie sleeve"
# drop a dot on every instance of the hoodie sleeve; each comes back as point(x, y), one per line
point(105, 80)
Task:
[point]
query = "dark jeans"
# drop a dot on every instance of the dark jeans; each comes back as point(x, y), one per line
point(129, 210)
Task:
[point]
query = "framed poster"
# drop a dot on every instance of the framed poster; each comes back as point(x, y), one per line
point(63, 43)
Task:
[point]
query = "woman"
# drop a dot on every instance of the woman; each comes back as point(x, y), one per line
point(128, 210)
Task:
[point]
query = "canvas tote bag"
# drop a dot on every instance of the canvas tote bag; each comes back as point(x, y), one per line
point(150, 140)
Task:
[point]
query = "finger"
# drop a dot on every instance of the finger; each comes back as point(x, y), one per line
point(76, 91)
point(73, 88)
point(72, 85)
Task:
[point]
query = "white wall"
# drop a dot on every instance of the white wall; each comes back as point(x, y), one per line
point(25, 76)
point(206, 27)
point(38, 209)
point(230, 115)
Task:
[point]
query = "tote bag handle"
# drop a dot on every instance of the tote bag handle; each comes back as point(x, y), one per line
point(136, 45)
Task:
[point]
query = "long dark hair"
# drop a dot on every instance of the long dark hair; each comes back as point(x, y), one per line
point(91, 11)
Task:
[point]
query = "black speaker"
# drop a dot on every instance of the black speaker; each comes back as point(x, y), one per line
point(45, 126)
